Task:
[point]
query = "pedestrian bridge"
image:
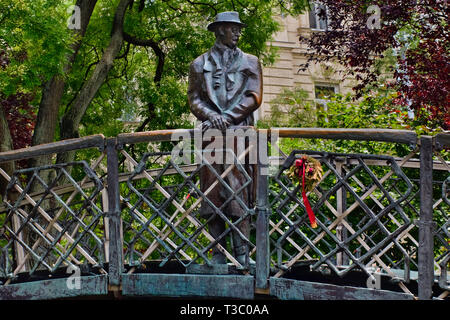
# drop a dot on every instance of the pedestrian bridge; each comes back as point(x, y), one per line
point(122, 219)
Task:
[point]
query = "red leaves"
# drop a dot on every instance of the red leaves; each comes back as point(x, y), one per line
point(19, 113)
point(427, 69)
point(20, 117)
point(422, 77)
point(4, 61)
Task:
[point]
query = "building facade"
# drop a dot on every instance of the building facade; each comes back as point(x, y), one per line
point(319, 80)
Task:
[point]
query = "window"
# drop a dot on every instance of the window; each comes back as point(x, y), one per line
point(323, 93)
point(318, 17)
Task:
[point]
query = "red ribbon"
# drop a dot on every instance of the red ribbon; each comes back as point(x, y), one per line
point(301, 163)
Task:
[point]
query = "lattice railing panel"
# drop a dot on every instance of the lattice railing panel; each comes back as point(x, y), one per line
point(359, 209)
point(161, 219)
point(53, 219)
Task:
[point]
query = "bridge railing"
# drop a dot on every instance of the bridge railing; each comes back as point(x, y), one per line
point(130, 205)
point(52, 217)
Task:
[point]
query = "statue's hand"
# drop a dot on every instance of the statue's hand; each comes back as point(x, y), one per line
point(217, 121)
point(205, 125)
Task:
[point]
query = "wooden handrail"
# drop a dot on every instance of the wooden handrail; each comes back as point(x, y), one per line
point(98, 140)
point(94, 141)
point(385, 135)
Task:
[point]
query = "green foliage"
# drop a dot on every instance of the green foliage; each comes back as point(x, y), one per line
point(291, 108)
point(376, 110)
point(370, 112)
point(36, 38)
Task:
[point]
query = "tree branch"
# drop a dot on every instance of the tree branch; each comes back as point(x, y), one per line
point(206, 4)
point(156, 49)
point(143, 124)
point(125, 53)
point(141, 5)
point(141, 42)
point(158, 73)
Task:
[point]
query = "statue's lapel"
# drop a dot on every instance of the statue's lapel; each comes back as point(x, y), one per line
point(208, 70)
point(237, 76)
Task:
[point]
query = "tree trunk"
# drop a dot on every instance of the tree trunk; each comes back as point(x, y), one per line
point(46, 123)
point(5, 145)
point(47, 117)
point(72, 118)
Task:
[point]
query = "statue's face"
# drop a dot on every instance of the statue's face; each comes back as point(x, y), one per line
point(229, 34)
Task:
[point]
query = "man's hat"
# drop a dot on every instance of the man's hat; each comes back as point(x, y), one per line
point(228, 16)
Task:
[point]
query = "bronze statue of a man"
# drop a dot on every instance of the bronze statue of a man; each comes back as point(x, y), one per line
point(225, 87)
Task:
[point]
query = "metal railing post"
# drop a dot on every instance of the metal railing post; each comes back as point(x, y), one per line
point(425, 250)
point(341, 204)
point(262, 211)
point(114, 219)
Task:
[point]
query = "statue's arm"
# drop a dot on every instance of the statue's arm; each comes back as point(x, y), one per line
point(252, 97)
point(199, 107)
